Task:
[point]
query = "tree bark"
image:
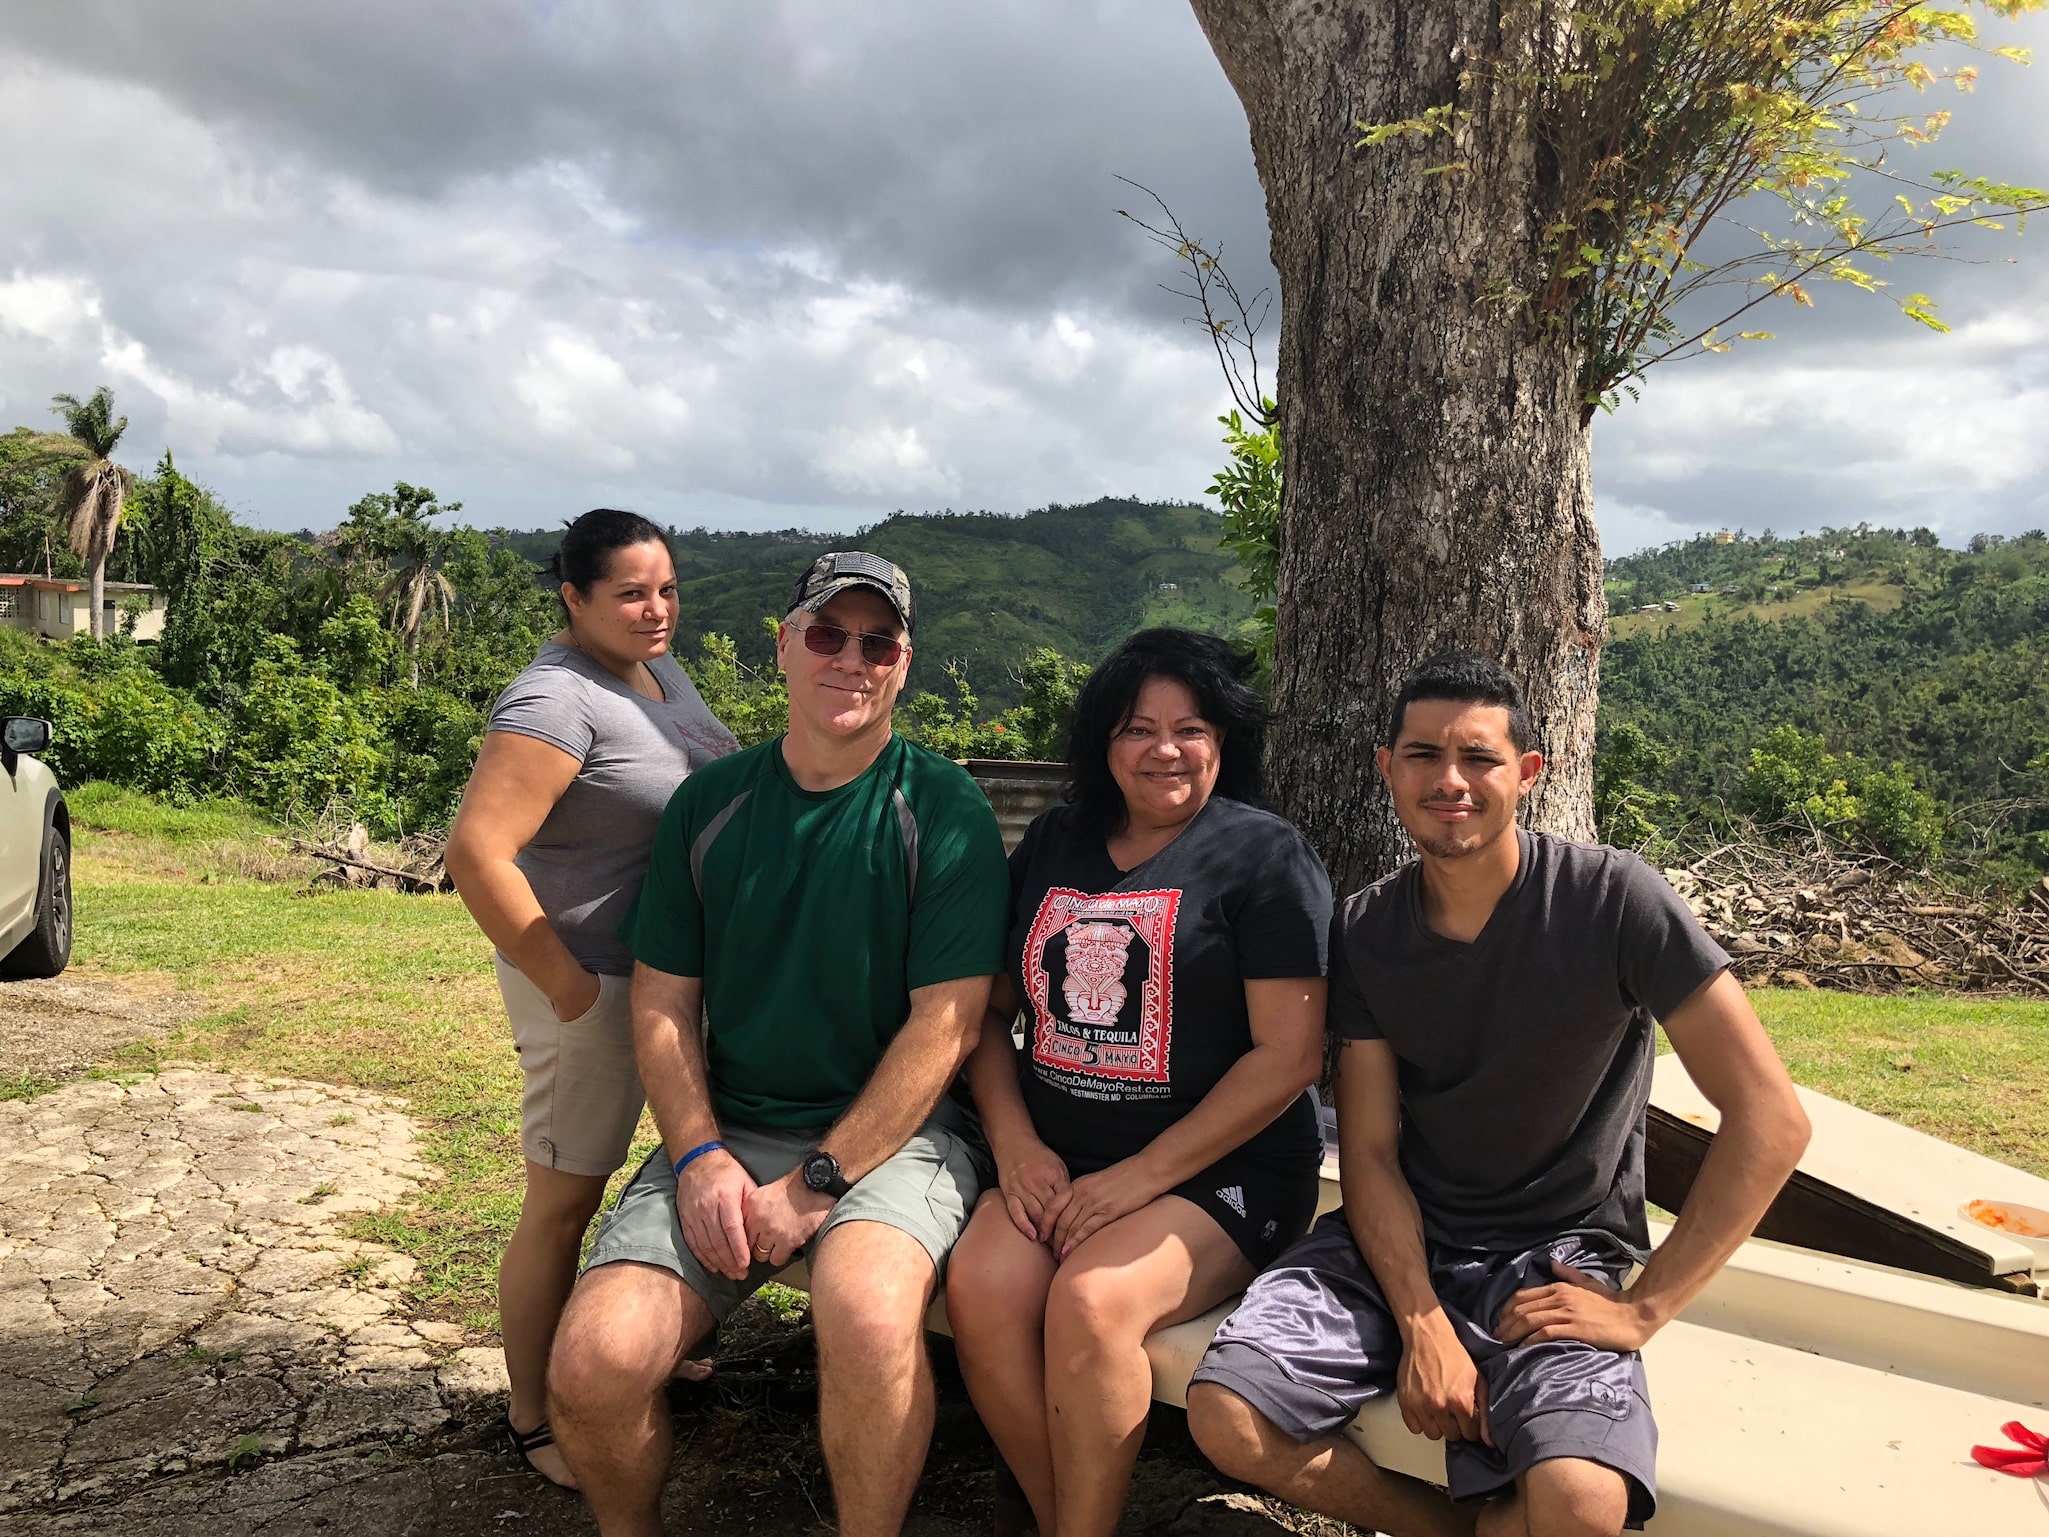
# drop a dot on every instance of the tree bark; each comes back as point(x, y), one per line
point(1436, 489)
point(97, 587)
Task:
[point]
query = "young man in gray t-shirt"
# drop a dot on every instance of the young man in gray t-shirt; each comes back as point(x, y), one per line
point(1496, 1002)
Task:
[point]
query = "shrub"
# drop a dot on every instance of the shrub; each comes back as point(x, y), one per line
point(1050, 682)
point(950, 728)
point(151, 737)
point(1629, 811)
point(752, 704)
point(1793, 778)
point(301, 744)
point(434, 737)
point(111, 717)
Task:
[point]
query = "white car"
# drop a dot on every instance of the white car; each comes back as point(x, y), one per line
point(35, 855)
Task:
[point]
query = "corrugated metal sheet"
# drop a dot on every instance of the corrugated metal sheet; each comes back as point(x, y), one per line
point(1017, 791)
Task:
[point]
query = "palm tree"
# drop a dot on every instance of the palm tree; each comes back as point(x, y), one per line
point(93, 489)
point(387, 545)
point(419, 591)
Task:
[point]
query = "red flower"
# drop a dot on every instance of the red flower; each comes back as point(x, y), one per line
point(2028, 1460)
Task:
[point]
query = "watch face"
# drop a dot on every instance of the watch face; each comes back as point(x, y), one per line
point(819, 1170)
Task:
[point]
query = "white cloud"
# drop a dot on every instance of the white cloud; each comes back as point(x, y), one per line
point(1916, 428)
point(45, 307)
point(528, 344)
point(1627, 527)
point(784, 263)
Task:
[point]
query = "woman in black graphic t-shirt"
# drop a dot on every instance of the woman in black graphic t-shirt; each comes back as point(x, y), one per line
point(1155, 1145)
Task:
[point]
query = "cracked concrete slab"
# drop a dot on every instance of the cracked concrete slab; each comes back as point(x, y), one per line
point(177, 1291)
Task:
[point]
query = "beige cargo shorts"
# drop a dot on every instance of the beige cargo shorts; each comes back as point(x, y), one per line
point(582, 1093)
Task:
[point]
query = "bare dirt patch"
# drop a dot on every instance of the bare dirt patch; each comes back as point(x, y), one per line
point(53, 1031)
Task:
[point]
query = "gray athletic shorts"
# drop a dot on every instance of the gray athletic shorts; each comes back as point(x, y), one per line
point(1313, 1340)
point(927, 1190)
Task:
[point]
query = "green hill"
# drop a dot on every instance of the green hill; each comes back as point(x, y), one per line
point(989, 588)
point(1728, 576)
point(1882, 643)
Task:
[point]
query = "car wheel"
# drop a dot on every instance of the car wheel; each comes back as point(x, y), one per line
point(47, 949)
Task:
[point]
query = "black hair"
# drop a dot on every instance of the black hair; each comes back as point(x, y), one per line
point(585, 554)
point(1464, 677)
point(1217, 673)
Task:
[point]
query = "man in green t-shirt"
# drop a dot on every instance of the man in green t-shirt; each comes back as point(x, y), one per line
point(832, 906)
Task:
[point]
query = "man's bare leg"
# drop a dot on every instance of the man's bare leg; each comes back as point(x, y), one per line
point(1332, 1476)
point(870, 1286)
point(627, 1329)
point(1561, 1497)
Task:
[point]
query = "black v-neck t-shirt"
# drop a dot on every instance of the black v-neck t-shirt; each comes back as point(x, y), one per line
point(1133, 981)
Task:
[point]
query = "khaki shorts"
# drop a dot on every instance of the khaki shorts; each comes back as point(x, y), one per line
point(927, 1190)
point(582, 1096)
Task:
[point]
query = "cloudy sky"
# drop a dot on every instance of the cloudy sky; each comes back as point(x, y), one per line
point(798, 262)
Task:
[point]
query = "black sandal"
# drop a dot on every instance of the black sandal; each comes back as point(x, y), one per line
point(525, 1442)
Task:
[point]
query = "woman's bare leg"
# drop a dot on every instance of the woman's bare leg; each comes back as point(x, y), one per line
point(534, 1277)
point(1164, 1263)
point(996, 1280)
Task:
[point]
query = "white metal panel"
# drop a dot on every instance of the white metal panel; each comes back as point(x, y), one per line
point(1756, 1438)
point(1890, 1165)
point(1910, 1325)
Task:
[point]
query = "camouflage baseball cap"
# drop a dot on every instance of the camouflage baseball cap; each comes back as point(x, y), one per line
point(832, 574)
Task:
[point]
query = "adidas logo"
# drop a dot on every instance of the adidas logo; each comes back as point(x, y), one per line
point(1233, 1196)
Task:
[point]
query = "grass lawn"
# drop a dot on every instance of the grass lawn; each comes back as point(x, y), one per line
point(395, 993)
point(1973, 1071)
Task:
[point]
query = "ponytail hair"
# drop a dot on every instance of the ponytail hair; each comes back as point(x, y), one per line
point(585, 555)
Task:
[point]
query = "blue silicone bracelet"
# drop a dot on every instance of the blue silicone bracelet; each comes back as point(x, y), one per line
point(696, 1152)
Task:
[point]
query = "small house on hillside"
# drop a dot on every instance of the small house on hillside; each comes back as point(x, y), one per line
point(58, 608)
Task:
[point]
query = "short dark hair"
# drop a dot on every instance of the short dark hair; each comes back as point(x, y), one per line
point(1464, 677)
point(585, 555)
point(1217, 673)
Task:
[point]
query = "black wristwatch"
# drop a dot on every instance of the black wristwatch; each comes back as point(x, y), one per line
point(822, 1173)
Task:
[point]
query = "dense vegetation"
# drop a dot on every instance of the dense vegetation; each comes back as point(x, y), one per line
point(351, 674)
point(1865, 684)
point(348, 673)
point(1908, 724)
point(990, 589)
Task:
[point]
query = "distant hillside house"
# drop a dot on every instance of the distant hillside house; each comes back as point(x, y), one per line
point(57, 609)
point(1725, 536)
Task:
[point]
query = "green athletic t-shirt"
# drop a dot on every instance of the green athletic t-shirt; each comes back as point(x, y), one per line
point(811, 915)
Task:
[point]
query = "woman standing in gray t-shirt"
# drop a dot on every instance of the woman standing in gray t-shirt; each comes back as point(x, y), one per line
point(582, 752)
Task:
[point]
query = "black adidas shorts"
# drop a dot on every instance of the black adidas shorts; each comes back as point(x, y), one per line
point(1262, 1203)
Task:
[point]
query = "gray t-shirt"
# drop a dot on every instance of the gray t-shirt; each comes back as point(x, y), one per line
point(1524, 1057)
point(587, 860)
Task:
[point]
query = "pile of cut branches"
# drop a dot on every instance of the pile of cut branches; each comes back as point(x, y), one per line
point(1816, 917)
point(412, 865)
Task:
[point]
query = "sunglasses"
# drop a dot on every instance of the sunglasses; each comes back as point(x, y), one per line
point(822, 639)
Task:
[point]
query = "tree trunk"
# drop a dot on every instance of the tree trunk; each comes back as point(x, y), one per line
point(1436, 488)
point(97, 585)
